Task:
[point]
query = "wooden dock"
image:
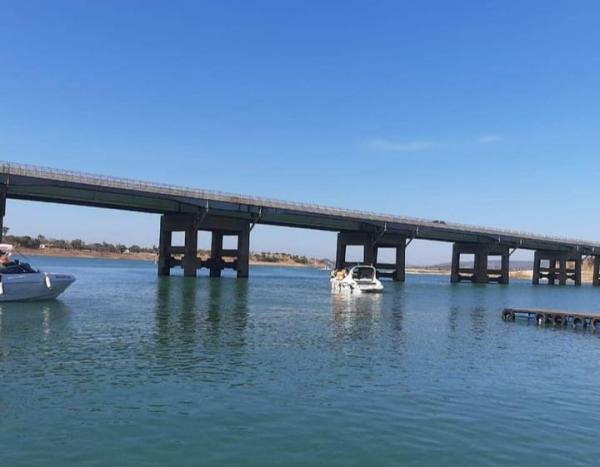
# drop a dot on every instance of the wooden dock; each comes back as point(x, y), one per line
point(559, 318)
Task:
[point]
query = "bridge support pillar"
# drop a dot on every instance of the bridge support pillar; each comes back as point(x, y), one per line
point(2, 208)
point(371, 243)
point(479, 272)
point(596, 273)
point(187, 256)
point(561, 266)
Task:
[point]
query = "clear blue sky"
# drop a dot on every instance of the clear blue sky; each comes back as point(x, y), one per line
point(482, 112)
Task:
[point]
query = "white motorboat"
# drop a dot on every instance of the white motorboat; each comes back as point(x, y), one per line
point(360, 279)
point(20, 282)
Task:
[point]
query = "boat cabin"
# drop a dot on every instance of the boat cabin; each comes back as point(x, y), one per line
point(363, 273)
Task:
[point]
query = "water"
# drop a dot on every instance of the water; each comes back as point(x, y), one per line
point(129, 369)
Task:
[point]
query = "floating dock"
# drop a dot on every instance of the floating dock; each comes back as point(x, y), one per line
point(557, 318)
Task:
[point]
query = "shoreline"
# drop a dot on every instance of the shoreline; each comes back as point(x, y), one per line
point(524, 274)
point(148, 257)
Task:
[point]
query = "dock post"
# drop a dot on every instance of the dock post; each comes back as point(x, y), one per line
point(164, 248)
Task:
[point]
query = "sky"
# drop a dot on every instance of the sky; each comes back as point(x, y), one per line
point(480, 112)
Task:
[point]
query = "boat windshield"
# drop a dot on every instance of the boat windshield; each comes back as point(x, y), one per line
point(363, 273)
point(16, 267)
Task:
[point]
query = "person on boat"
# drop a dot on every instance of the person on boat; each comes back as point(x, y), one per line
point(4, 260)
point(340, 274)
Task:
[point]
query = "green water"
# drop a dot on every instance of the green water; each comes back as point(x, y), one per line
point(127, 369)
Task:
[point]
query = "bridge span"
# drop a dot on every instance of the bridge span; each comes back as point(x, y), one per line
point(190, 210)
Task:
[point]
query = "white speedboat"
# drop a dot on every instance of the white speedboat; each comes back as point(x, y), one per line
point(20, 282)
point(360, 279)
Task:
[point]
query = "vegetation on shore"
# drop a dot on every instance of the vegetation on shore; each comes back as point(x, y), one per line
point(77, 247)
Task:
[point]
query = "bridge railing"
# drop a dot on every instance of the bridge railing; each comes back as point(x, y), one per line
point(84, 178)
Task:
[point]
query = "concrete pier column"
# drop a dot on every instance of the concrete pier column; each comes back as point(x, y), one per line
point(397, 269)
point(187, 256)
point(3, 190)
point(504, 267)
point(190, 254)
point(577, 273)
point(552, 271)
point(596, 276)
point(164, 249)
point(369, 253)
point(371, 243)
point(400, 272)
point(340, 256)
point(537, 261)
point(563, 266)
point(562, 271)
point(480, 272)
point(243, 255)
point(455, 265)
point(216, 249)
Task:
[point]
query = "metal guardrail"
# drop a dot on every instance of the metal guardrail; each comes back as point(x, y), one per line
point(211, 195)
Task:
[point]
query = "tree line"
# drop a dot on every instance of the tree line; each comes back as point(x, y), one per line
point(41, 241)
point(26, 241)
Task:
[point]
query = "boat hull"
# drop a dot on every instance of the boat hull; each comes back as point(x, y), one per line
point(33, 286)
point(345, 286)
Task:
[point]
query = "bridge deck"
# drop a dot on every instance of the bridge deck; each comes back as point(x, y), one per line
point(59, 186)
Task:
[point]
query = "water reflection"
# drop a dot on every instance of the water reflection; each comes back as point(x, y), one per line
point(356, 316)
point(199, 316)
point(28, 319)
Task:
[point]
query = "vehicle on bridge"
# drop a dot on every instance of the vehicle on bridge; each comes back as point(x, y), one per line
point(360, 279)
point(20, 282)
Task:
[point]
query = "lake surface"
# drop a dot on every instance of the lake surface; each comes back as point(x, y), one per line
point(130, 369)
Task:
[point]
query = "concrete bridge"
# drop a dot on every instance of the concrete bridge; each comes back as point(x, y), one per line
point(191, 210)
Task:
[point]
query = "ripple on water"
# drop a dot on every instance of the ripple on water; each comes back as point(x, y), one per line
point(275, 370)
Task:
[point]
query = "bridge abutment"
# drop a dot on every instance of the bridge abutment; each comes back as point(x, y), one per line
point(186, 256)
point(557, 266)
point(479, 272)
point(371, 243)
